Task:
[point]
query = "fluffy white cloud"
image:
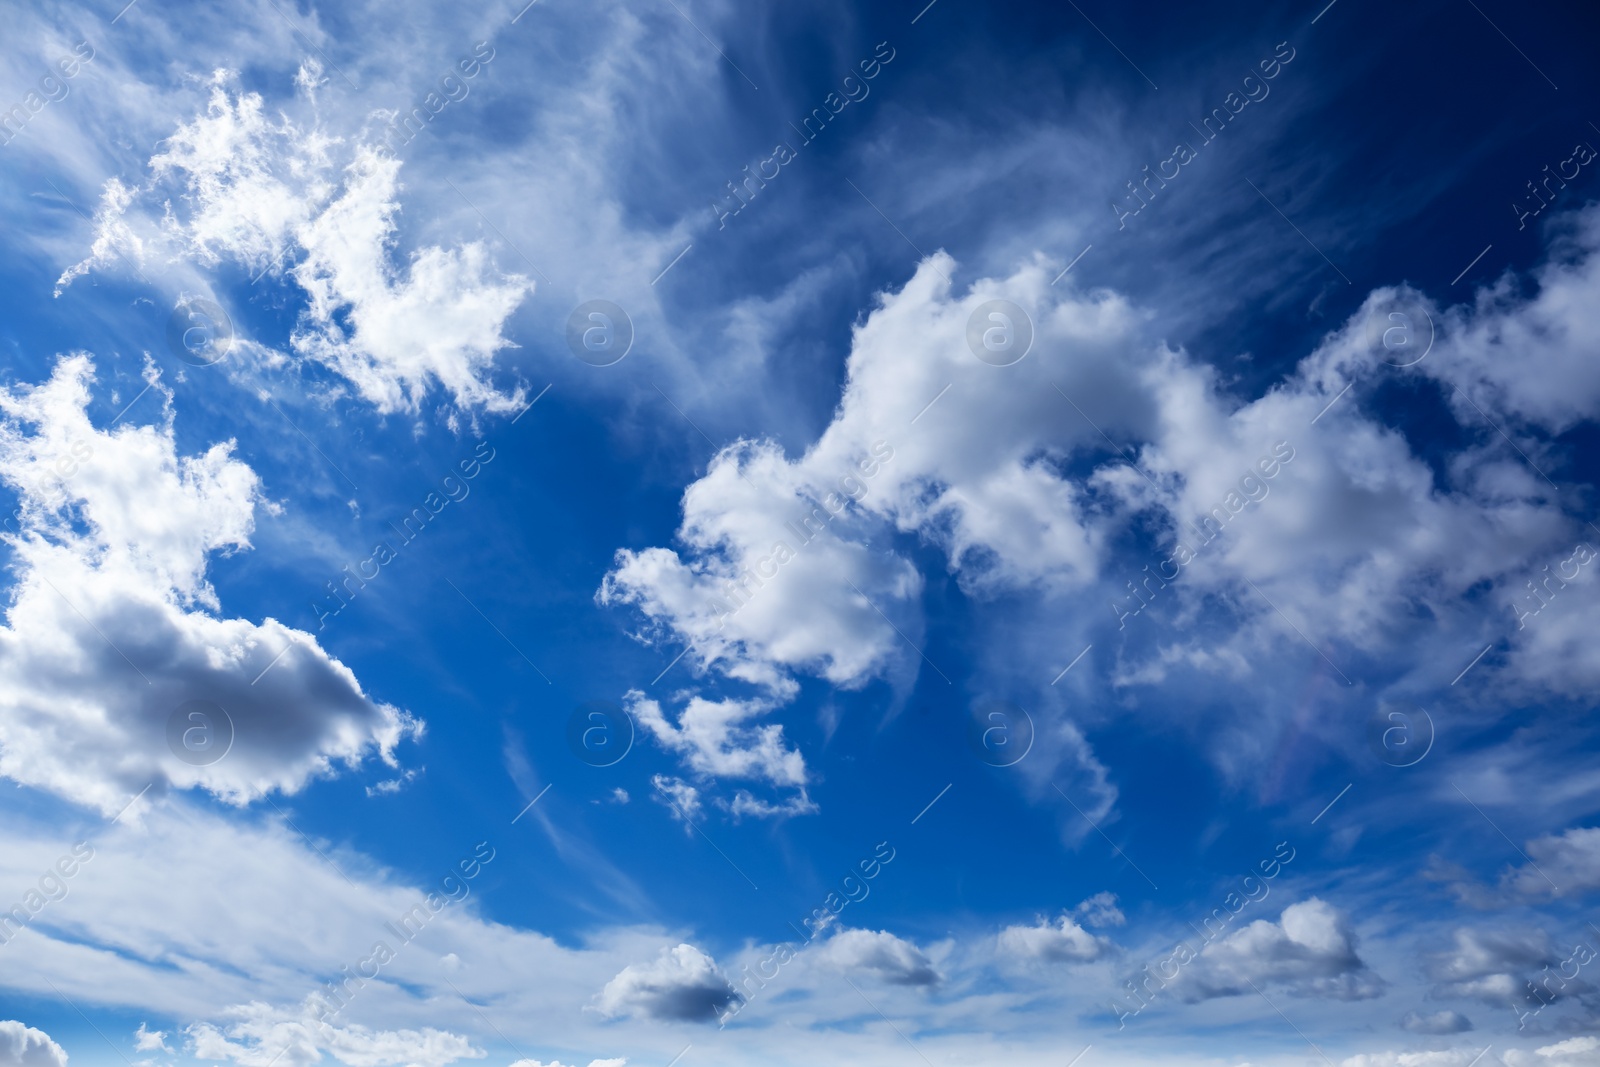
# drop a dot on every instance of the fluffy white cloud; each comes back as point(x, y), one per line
point(113, 626)
point(618, 1062)
point(1529, 353)
point(1289, 519)
point(714, 741)
point(683, 984)
point(1310, 952)
point(892, 959)
point(23, 1046)
point(778, 573)
point(1061, 941)
point(279, 196)
point(146, 1040)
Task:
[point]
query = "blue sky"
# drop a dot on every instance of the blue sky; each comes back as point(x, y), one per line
point(1072, 539)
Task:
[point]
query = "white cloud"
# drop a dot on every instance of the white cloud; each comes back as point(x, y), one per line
point(618, 1062)
point(683, 984)
point(1573, 1052)
point(440, 321)
point(23, 1046)
point(256, 1034)
point(1531, 356)
point(1001, 506)
point(745, 803)
point(1350, 536)
point(777, 573)
point(714, 741)
point(892, 959)
point(146, 1040)
point(288, 198)
point(1062, 941)
point(113, 625)
point(1310, 952)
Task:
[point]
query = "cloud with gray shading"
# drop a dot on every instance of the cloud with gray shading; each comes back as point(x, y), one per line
point(113, 628)
point(1439, 1022)
point(1309, 952)
point(1061, 941)
point(892, 959)
point(683, 984)
point(1493, 966)
point(23, 1046)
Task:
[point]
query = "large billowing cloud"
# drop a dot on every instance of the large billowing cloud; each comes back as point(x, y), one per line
point(112, 628)
point(277, 196)
point(23, 1046)
point(1295, 517)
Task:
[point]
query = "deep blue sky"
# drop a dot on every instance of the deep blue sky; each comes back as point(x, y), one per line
point(390, 315)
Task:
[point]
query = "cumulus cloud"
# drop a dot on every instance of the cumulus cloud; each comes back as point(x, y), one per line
point(682, 985)
point(1061, 941)
point(617, 1062)
point(113, 628)
point(1438, 1022)
point(277, 196)
point(1309, 952)
point(23, 1046)
point(776, 572)
point(892, 959)
point(1285, 522)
